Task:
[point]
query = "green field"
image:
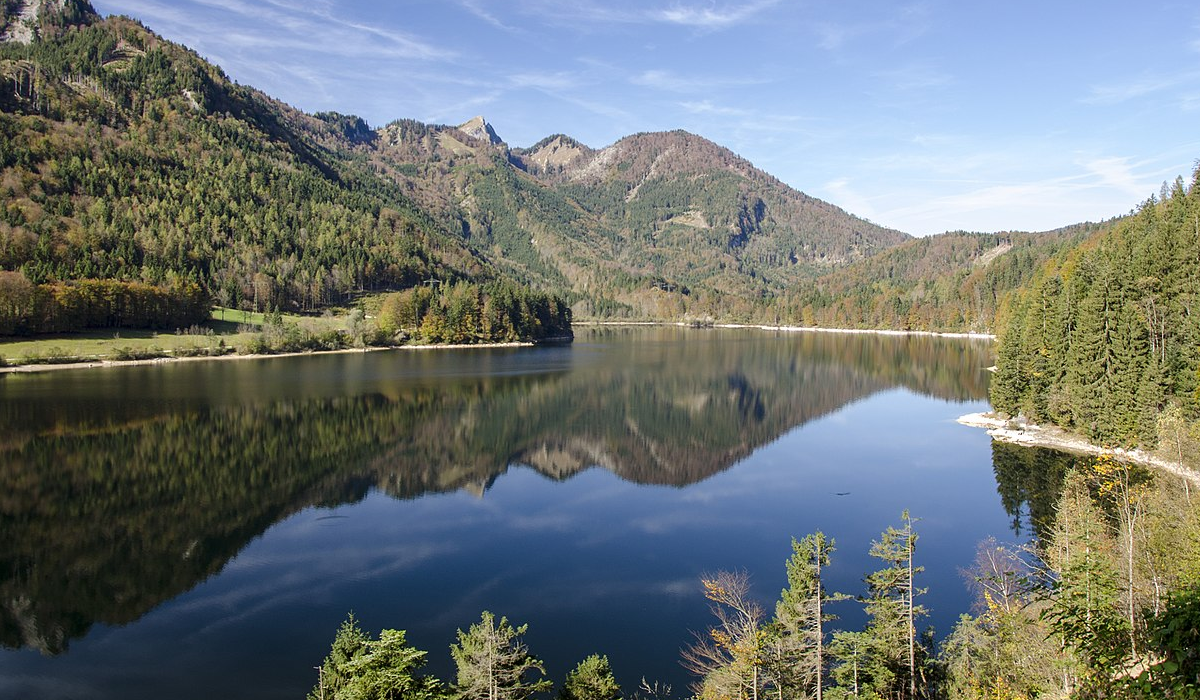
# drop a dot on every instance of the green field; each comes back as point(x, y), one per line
point(228, 331)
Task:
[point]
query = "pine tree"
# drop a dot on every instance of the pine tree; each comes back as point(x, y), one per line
point(1091, 365)
point(349, 643)
point(1010, 381)
point(387, 670)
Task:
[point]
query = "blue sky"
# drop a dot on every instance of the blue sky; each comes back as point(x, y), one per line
point(924, 116)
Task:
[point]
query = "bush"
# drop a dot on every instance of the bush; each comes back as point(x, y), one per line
point(257, 345)
point(53, 356)
point(127, 354)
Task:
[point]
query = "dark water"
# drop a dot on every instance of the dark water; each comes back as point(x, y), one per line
point(175, 531)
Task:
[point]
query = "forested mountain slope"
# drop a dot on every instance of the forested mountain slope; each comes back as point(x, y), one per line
point(949, 282)
point(128, 157)
point(124, 156)
point(1107, 335)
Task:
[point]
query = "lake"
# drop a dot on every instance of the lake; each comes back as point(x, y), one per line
point(179, 529)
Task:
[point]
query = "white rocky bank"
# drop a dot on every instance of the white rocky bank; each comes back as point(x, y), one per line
point(1020, 432)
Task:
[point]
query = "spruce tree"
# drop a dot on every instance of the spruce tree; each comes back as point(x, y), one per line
point(892, 608)
point(349, 643)
point(592, 679)
point(493, 662)
point(799, 656)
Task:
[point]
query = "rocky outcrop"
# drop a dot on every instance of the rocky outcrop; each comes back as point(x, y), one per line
point(26, 19)
point(478, 128)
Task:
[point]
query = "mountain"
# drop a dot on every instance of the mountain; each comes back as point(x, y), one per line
point(23, 21)
point(660, 224)
point(129, 157)
point(478, 128)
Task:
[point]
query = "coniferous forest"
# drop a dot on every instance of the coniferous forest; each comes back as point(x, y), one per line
point(1105, 339)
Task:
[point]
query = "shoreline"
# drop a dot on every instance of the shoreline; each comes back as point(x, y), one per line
point(100, 364)
point(1051, 437)
point(795, 329)
point(104, 363)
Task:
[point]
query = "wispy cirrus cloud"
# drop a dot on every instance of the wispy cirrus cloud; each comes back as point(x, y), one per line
point(915, 76)
point(1116, 93)
point(675, 82)
point(584, 13)
point(710, 16)
point(667, 80)
point(1118, 173)
point(1089, 189)
point(906, 24)
point(314, 27)
point(556, 81)
point(478, 9)
point(707, 107)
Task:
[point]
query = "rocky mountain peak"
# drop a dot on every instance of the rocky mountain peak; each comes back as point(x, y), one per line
point(477, 127)
point(557, 151)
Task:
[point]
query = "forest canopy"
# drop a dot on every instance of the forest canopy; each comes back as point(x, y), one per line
point(1105, 340)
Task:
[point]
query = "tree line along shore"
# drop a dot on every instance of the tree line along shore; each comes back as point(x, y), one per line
point(462, 313)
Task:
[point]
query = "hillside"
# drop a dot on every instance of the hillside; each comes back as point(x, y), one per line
point(949, 282)
point(1103, 340)
point(127, 157)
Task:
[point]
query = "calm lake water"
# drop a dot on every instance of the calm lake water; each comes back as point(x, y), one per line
point(185, 529)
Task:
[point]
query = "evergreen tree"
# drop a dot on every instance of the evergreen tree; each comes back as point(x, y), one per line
point(387, 670)
point(797, 656)
point(349, 643)
point(494, 664)
point(592, 679)
point(892, 610)
point(1086, 610)
point(1010, 381)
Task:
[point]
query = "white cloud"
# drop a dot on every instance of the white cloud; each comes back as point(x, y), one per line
point(843, 195)
point(908, 78)
point(666, 80)
point(475, 7)
point(908, 23)
point(1095, 189)
point(707, 107)
point(544, 81)
point(1116, 173)
point(1146, 85)
point(585, 14)
point(711, 17)
point(674, 82)
point(271, 26)
point(834, 36)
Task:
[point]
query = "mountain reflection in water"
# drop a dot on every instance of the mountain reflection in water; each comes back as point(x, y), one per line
point(124, 488)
